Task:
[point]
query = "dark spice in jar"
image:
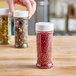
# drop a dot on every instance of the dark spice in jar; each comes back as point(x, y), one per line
point(4, 30)
point(20, 32)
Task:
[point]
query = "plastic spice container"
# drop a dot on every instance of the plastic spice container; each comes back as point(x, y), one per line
point(4, 26)
point(21, 30)
point(44, 34)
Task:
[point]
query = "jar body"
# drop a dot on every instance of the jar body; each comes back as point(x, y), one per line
point(44, 49)
point(21, 32)
point(5, 31)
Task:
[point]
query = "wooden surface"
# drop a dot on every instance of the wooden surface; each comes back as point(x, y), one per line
point(21, 62)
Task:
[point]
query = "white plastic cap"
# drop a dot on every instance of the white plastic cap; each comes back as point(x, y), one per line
point(44, 26)
point(20, 13)
point(4, 11)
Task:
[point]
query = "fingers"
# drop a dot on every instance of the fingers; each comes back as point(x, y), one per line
point(29, 7)
point(11, 6)
point(33, 3)
point(30, 4)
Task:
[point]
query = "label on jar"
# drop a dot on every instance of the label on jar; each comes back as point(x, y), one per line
point(59, 24)
point(72, 24)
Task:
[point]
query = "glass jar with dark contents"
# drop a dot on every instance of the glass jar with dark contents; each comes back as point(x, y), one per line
point(21, 30)
point(5, 28)
point(44, 32)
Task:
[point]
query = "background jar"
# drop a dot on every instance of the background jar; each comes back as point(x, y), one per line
point(21, 30)
point(4, 26)
point(44, 34)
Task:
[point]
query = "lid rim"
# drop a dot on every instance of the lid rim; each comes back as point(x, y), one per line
point(4, 11)
point(44, 26)
point(21, 13)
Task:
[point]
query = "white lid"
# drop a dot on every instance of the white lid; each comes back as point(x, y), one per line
point(20, 13)
point(4, 11)
point(44, 26)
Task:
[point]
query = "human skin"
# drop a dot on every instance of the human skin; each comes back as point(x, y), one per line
point(29, 4)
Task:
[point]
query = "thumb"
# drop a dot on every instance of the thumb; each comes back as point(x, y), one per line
point(11, 6)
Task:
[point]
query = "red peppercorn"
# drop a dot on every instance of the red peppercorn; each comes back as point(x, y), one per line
point(44, 49)
point(44, 32)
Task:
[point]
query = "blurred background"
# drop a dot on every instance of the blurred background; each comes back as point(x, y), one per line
point(61, 12)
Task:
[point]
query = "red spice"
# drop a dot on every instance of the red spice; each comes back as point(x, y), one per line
point(44, 49)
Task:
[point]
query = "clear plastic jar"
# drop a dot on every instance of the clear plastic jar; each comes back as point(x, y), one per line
point(4, 26)
point(21, 30)
point(44, 32)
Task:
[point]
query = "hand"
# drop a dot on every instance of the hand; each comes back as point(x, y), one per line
point(30, 4)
